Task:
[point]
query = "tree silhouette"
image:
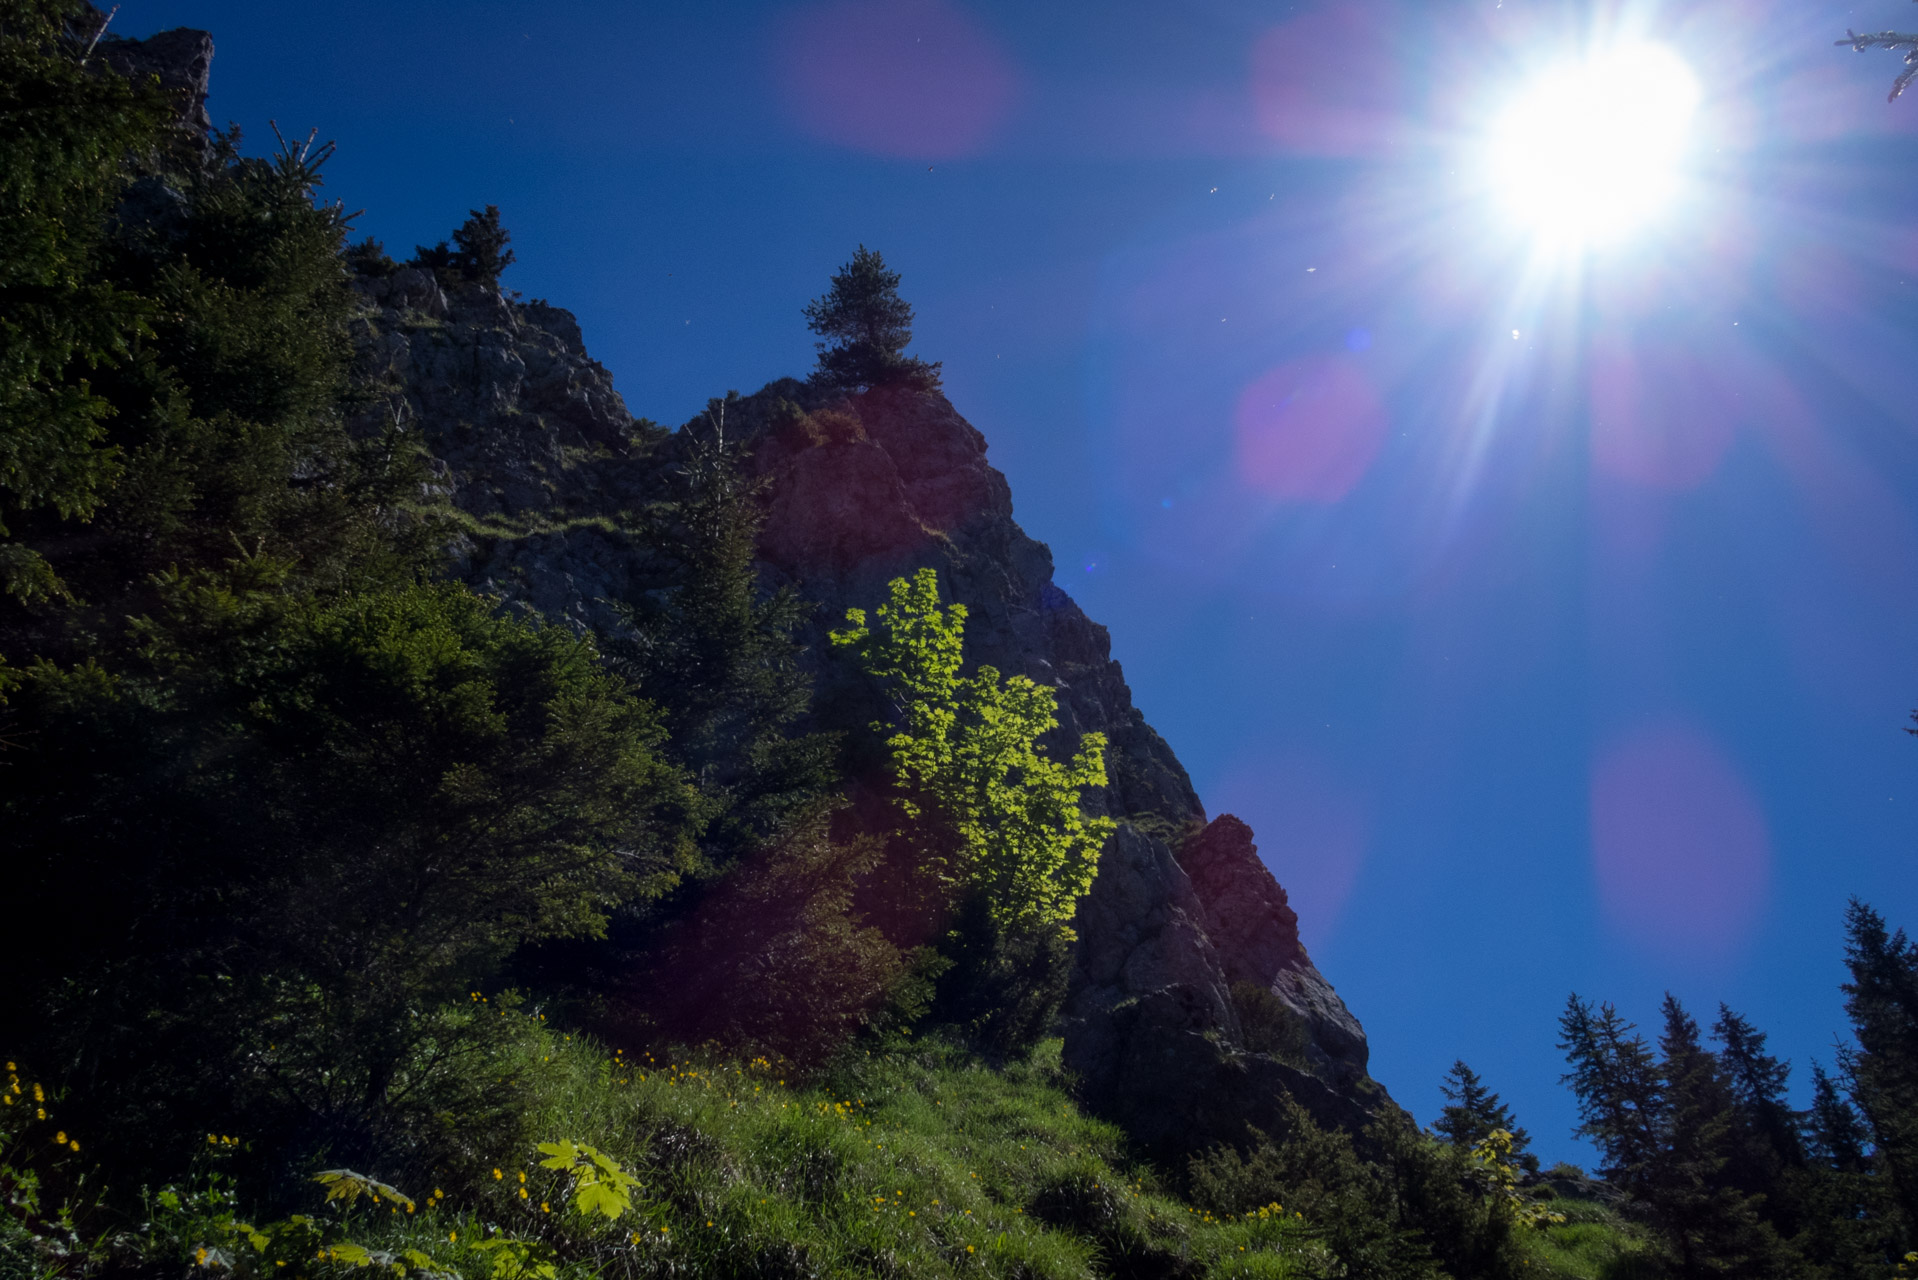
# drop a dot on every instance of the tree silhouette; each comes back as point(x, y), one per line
point(865, 327)
point(1474, 1111)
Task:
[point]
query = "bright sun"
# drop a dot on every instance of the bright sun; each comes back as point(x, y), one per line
point(1594, 149)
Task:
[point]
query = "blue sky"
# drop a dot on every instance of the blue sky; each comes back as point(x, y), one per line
point(1552, 619)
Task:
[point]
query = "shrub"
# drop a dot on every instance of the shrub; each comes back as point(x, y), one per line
point(321, 822)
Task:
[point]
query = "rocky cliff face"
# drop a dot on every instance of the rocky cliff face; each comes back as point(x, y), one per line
point(537, 450)
point(182, 60)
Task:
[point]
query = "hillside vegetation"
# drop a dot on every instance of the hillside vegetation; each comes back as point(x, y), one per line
point(357, 922)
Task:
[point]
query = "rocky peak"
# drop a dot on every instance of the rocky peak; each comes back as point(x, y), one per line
point(539, 453)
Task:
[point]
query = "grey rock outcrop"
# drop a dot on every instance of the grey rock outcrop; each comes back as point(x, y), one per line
point(528, 438)
point(1151, 1026)
point(182, 60)
point(1256, 934)
point(539, 454)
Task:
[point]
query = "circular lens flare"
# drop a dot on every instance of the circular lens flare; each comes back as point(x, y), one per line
point(1591, 150)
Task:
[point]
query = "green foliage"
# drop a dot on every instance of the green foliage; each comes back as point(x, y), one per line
point(1882, 1002)
point(1587, 1240)
point(65, 138)
point(993, 813)
point(600, 1185)
point(482, 247)
point(1003, 985)
point(1349, 1203)
point(323, 821)
point(865, 327)
point(1673, 1150)
point(1495, 1160)
point(919, 1163)
point(1620, 1093)
point(368, 257)
point(478, 255)
point(716, 653)
point(775, 958)
point(175, 363)
point(1473, 1113)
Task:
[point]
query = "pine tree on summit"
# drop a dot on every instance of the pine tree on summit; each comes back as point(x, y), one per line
point(479, 253)
point(865, 326)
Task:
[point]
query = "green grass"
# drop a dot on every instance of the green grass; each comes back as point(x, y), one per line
point(919, 1161)
point(916, 1161)
point(1593, 1243)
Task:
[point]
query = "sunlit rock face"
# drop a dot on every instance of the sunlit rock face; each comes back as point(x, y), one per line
point(531, 442)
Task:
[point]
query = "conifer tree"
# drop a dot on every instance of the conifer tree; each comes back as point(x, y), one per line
point(1838, 1136)
point(65, 139)
point(1621, 1097)
point(1474, 1111)
point(1711, 1227)
point(1767, 1135)
point(482, 252)
point(1904, 42)
point(865, 327)
point(1882, 1070)
point(1846, 1225)
point(716, 651)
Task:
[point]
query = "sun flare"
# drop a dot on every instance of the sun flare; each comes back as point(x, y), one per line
point(1592, 150)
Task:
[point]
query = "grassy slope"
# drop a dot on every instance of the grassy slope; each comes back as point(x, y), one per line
point(917, 1161)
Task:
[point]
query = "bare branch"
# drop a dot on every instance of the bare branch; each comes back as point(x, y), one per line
point(104, 24)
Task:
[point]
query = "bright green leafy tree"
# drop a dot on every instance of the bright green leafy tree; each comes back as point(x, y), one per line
point(966, 757)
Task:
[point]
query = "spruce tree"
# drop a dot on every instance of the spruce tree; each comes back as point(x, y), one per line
point(716, 650)
point(1474, 1111)
point(1848, 1223)
point(1767, 1135)
point(1712, 1228)
point(865, 327)
point(1882, 1002)
point(1621, 1094)
point(66, 136)
point(1837, 1135)
point(482, 252)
